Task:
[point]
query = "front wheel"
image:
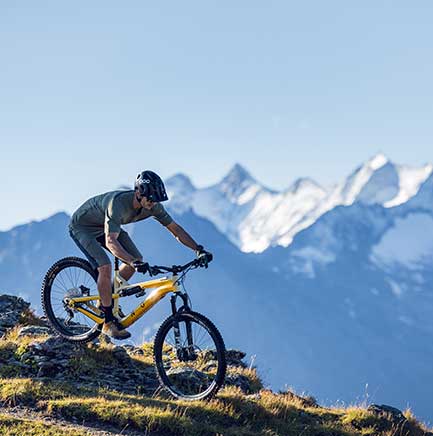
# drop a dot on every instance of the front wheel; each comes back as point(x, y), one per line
point(189, 355)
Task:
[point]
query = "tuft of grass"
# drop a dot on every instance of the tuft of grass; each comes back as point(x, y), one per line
point(10, 426)
point(254, 382)
point(362, 418)
point(28, 317)
point(11, 341)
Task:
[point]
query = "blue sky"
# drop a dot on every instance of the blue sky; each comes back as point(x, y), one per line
point(93, 92)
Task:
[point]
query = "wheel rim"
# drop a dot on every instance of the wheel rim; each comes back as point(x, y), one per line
point(191, 370)
point(71, 281)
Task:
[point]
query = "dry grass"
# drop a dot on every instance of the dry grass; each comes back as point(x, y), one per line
point(10, 426)
point(232, 413)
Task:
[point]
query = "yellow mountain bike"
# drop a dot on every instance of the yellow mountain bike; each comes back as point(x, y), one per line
point(189, 352)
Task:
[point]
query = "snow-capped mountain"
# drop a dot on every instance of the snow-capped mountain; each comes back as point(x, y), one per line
point(254, 217)
point(249, 214)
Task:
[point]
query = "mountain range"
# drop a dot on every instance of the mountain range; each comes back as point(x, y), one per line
point(327, 288)
point(254, 217)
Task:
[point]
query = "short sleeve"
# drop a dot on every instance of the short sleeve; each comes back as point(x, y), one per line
point(112, 218)
point(161, 215)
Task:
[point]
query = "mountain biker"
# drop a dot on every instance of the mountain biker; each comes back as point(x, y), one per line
point(96, 225)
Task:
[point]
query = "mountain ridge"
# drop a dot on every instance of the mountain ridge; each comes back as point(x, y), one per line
point(255, 217)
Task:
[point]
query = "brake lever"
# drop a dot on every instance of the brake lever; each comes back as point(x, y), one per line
point(153, 271)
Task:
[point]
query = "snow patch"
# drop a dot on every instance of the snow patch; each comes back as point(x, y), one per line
point(410, 180)
point(248, 194)
point(378, 161)
point(409, 242)
point(305, 259)
point(356, 182)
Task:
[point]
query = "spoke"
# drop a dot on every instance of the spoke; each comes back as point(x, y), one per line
point(73, 277)
point(68, 270)
point(203, 337)
point(76, 275)
point(61, 281)
point(72, 271)
point(67, 279)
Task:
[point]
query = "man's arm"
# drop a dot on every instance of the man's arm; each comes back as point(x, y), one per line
point(182, 236)
point(116, 248)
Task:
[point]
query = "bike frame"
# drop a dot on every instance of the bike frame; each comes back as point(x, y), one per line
point(163, 286)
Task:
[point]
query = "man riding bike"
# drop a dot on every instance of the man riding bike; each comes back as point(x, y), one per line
point(96, 225)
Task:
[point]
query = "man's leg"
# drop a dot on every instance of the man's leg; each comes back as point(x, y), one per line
point(125, 270)
point(104, 284)
point(111, 326)
point(99, 259)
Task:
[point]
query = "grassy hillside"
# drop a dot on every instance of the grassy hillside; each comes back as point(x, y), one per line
point(81, 391)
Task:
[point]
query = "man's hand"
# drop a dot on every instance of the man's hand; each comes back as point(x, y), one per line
point(141, 267)
point(203, 256)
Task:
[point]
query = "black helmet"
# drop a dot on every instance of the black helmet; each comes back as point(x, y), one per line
point(150, 185)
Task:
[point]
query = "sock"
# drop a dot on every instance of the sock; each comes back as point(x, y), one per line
point(108, 312)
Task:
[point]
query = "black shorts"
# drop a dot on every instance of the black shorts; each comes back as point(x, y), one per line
point(93, 248)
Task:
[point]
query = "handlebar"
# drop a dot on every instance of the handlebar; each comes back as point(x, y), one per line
point(175, 269)
point(154, 270)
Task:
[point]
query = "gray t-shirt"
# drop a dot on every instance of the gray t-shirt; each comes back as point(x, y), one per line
point(106, 213)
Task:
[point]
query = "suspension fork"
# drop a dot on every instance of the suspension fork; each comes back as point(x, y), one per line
point(188, 327)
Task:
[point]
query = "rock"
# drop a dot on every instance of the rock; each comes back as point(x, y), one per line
point(11, 308)
point(306, 401)
point(47, 369)
point(25, 356)
point(136, 352)
point(56, 345)
point(234, 358)
point(190, 379)
point(33, 330)
point(242, 382)
point(390, 413)
point(387, 418)
point(120, 353)
point(35, 348)
point(106, 339)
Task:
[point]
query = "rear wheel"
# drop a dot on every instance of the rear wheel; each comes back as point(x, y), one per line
point(70, 277)
point(189, 355)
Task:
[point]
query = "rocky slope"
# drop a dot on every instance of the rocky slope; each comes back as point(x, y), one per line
point(50, 387)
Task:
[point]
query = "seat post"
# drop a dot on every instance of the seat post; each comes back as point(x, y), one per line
point(116, 264)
